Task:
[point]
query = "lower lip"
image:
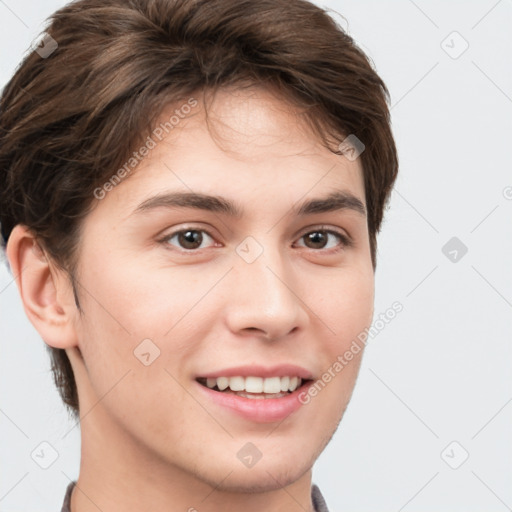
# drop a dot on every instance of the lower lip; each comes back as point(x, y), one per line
point(261, 410)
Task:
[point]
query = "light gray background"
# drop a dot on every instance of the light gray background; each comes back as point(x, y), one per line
point(440, 371)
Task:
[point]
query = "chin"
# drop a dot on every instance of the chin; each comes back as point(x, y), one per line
point(263, 479)
point(269, 473)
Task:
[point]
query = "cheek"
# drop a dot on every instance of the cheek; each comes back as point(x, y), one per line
point(345, 312)
point(347, 309)
point(142, 298)
point(127, 312)
point(127, 301)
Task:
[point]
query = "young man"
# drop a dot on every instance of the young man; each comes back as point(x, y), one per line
point(190, 197)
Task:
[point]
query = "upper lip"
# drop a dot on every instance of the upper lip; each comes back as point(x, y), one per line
point(254, 370)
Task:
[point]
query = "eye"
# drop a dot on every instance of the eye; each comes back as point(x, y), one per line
point(189, 239)
point(193, 239)
point(319, 239)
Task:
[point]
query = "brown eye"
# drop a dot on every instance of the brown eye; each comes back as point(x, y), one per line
point(316, 239)
point(188, 239)
point(321, 238)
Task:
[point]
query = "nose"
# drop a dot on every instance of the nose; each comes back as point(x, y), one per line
point(266, 297)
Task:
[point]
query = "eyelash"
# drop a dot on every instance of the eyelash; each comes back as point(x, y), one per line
point(346, 241)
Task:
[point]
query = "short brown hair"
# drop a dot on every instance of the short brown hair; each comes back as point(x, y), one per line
point(69, 120)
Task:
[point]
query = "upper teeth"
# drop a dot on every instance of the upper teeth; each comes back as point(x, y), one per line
point(255, 384)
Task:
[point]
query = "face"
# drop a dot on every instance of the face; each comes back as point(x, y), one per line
point(180, 299)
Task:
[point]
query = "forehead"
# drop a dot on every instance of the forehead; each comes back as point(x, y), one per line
point(250, 144)
point(248, 123)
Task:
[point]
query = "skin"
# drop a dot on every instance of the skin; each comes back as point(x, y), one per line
point(149, 439)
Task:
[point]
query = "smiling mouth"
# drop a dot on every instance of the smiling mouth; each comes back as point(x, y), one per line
point(255, 387)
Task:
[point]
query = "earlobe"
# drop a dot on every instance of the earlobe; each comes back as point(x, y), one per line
point(45, 290)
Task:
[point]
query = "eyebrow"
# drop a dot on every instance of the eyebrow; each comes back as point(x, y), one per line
point(340, 200)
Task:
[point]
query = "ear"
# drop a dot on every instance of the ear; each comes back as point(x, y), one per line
point(45, 290)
